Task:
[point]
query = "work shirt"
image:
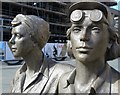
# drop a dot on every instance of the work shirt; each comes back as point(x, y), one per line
point(44, 81)
point(107, 82)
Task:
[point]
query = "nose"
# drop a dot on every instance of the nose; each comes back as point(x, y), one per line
point(12, 40)
point(84, 36)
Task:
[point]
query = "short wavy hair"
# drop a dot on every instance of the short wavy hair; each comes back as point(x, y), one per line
point(35, 26)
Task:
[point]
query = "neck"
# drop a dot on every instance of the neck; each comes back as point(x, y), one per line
point(33, 60)
point(87, 72)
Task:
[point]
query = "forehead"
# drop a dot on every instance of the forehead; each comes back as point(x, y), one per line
point(19, 29)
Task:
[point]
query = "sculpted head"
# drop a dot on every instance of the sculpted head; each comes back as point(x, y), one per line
point(91, 34)
point(28, 31)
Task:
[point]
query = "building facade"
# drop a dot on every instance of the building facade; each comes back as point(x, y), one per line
point(55, 13)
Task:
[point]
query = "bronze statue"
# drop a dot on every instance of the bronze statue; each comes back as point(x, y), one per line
point(38, 74)
point(92, 40)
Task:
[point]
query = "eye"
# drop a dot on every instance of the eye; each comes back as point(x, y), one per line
point(18, 35)
point(76, 30)
point(96, 29)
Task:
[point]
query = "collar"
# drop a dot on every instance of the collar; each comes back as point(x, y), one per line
point(102, 78)
point(70, 78)
point(43, 69)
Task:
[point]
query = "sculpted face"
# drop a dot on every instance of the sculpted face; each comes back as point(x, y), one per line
point(89, 40)
point(20, 41)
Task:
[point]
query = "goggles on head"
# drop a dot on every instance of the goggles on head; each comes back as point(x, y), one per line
point(94, 15)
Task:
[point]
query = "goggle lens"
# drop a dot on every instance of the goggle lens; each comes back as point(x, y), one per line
point(76, 15)
point(94, 15)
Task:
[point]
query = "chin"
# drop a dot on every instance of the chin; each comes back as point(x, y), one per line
point(83, 59)
point(16, 55)
point(83, 56)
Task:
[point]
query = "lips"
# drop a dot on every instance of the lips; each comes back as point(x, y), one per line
point(14, 49)
point(83, 49)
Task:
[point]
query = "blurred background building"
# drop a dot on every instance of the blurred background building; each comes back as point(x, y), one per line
point(53, 12)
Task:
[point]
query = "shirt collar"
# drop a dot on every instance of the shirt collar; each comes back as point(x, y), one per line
point(43, 69)
point(104, 76)
point(71, 77)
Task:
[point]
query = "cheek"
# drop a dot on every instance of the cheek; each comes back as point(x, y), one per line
point(100, 38)
point(100, 44)
point(27, 44)
point(74, 40)
point(23, 44)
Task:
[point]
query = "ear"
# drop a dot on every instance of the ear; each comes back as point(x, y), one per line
point(113, 51)
point(34, 44)
point(69, 49)
point(109, 45)
point(69, 45)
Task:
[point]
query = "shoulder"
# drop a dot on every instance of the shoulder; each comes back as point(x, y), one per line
point(115, 75)
point(59, 66)
point(63, 67)
point(115, 80)
point(66, 65)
